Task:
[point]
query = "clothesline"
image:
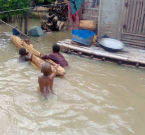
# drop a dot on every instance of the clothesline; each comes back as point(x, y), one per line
point(15, 10)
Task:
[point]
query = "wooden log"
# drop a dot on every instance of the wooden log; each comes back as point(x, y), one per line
point(36, 60)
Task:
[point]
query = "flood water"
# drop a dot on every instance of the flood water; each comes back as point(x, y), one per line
point(94, 97)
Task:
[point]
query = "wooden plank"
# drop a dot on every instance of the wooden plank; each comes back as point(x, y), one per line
point(134, 44)
point(125, 16)
point(134, 56)
point(96, 53)
point(143, 28)
point(132, 23)
point(139, 35)
point(133, 40)
point(130, 37)
point(130, 15)
point(136, 17)
point(137, 43)
point(139, 17)
point(142, 17)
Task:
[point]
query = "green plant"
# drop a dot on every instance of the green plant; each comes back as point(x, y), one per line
point(7, 5)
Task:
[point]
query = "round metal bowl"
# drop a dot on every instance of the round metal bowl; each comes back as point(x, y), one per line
point(111, 44)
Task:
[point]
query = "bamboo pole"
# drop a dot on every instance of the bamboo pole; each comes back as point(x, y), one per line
point(36, 60)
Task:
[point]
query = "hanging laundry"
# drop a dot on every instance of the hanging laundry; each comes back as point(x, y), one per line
point(74, 12)
point(75, 5)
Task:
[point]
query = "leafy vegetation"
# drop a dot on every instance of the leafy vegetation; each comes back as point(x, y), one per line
point(7, 5)
point(19, 16)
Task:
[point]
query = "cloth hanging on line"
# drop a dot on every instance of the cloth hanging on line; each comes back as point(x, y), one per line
point(75, 5)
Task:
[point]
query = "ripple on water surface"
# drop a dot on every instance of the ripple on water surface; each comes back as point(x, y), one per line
point(94, 98)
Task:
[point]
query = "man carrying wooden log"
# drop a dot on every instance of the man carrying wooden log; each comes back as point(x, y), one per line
point(56, 56)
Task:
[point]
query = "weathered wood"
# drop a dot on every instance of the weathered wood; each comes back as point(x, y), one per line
point(133, 37)
point(19, 43)
point(134, 42)
point(125, 19)
point(129, 56)
point(126, 15)
point(26, 23)
point(129, 14)
point(133, 12)
point(136, 17)
point(142, 17)
point(139, 16)
point(134, 22)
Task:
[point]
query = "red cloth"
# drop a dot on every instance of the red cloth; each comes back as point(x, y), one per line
point(69, 9)
point(74, 17)
point(57, 58)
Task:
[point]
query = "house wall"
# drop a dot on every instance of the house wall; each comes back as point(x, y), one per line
point(91, 10)
point(110, 18)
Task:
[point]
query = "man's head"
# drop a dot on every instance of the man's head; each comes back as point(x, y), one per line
point(46, 69)
point(56, 48)
point(22, 52)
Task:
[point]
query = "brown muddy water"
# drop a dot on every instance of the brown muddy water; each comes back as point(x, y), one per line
point(94, 98)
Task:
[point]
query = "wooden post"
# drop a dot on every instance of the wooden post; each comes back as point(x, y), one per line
point(137, 65)
point(20, 22)
point(26, 23)
point(80, 53)
point(92, 56)
point(119, 62)
point(103, 59)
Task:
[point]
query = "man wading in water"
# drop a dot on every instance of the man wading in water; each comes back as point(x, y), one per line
point(56, 56)
point(24, 55)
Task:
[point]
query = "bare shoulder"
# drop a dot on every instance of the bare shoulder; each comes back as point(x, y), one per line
point(40, 77)
point(51, 77)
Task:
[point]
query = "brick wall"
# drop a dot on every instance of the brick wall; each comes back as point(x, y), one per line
point(91, 10)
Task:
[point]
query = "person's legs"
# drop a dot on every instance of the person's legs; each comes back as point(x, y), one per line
point(78, 17)
point(70, 17)
point(77, 20)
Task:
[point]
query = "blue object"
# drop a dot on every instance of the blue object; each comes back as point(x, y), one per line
point(36, 31)
point(82, 36)
point(15, 31)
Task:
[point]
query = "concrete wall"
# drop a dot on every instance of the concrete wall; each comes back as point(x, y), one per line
point(91, 10)
point(110, 18)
